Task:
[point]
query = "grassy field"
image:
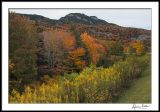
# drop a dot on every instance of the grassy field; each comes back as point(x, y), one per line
point(139, 91)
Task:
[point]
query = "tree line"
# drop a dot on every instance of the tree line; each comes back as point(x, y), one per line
point(34, 52)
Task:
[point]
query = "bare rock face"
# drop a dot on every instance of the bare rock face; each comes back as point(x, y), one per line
point(94, 17)
point(81, 18)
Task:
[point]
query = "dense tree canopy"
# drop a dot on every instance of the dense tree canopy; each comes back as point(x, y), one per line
point(22, 51)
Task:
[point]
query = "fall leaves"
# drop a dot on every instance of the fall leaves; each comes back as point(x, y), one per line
point(76, 56)
point(95, 49)
point(59, 39)
point(67, 54)
point(76, 60)
point(139, 46)
point(135, 47)
point(92, 85)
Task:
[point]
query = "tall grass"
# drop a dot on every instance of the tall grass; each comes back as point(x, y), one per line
point(92, 85)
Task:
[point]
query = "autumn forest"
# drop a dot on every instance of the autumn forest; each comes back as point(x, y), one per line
point(76, 59)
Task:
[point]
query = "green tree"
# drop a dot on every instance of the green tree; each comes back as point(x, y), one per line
point(76, 34)
point(22, 51)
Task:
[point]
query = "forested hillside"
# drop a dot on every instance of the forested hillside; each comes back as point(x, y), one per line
point(76, 59)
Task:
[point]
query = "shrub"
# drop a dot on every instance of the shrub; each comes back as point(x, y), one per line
point(92, 85)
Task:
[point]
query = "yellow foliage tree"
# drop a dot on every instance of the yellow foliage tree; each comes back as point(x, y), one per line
point(92, 85)
point(138, 46)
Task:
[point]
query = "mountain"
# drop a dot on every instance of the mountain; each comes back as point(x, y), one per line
point(39, 18)
point(70, 18)
point(94, 26)
point(81, 18)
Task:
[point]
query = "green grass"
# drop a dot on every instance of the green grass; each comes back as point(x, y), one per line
point(139, 90)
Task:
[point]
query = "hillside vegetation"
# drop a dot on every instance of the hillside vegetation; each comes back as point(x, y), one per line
point(142, 86)
point(59, 61)
point(92, 85)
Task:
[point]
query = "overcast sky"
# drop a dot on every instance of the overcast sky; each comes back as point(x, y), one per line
point(139, 18)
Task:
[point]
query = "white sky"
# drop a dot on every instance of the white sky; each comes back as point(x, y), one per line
point(139, 18)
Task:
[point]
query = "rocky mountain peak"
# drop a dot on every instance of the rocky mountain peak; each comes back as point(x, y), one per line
point(82, 18)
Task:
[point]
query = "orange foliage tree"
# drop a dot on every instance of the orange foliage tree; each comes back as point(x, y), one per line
point(60, 43)
point(96, 50)
point(77, 57)
point(63, 45)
